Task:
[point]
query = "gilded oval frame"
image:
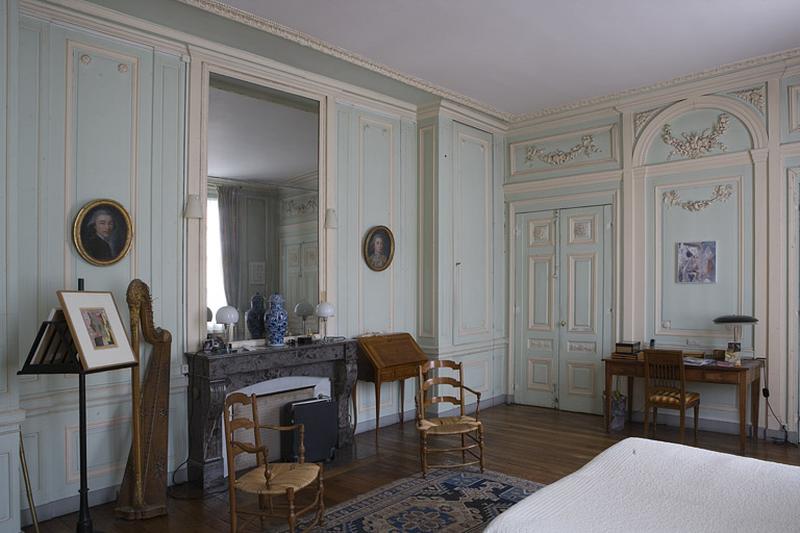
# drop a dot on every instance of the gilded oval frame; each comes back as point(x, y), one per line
point(371, 233)
point(77, 227)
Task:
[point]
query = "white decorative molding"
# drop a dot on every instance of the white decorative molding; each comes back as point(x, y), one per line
point(549, 261)
point(541, 232)
point(642, 119)
point(298, 37)
point(581, 347)
point(794, 108)
point(86, 59)
point(540, 345)
point(533, 382)
point(122, 68)
point(785, 55)
point(695, 144)
point(293, 207)
point(573, 326)
point(722, 193)
point(558, 157)
point(572, 387)
point(663, 325)
point(755, 96)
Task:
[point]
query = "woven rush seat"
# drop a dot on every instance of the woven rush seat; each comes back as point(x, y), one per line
point(282, 476)
point(448, 425)
point(673, 396)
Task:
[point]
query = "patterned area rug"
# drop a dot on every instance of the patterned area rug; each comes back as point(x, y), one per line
point(448, 501)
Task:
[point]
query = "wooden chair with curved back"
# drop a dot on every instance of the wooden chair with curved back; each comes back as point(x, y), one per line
point(665, 386)
point(467, 427)
point(268, 480)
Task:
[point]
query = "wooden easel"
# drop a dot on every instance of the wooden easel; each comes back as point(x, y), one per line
point(56, 334)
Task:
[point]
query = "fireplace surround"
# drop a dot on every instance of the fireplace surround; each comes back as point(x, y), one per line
point(213, 377)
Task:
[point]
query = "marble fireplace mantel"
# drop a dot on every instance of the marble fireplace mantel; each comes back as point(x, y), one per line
point(213, 377)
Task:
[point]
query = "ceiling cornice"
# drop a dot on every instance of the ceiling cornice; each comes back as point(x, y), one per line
point(270, 26)
point(785, 55)
point(221, 9)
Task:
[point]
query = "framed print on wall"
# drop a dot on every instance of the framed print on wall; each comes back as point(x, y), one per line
point(378, 248)
point(102, 232)
point(97, 329)
point(697, 262)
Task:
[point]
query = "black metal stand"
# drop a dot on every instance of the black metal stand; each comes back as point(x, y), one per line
point(84, 518)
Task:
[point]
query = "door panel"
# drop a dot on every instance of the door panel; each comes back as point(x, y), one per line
point(563, 264)
point(584, 232)
point(537, 343)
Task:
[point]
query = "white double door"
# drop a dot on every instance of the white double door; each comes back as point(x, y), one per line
point(562, 311)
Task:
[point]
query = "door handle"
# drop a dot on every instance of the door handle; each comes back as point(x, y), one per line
point(563, 323)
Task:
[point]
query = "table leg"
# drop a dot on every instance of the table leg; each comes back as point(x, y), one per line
point(755, 403)
point(402, 399)
point(607, 410)
point(742, 411)
point(630, 398)
point(377, 405)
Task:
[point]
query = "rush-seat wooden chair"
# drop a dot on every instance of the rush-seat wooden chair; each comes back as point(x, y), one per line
point(665, 386)
point(467, 427)
point(268, 480)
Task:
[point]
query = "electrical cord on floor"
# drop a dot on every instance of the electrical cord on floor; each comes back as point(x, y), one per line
point(765, 392)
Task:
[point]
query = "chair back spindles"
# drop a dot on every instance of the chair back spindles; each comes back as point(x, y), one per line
point(430, 391)
point(664, 370)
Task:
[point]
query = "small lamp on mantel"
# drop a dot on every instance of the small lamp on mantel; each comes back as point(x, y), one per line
point(228, 316)
point(325, 310)
point(734, 351)
point(304, 310)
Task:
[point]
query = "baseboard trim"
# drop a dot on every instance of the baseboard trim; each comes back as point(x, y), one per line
point(409, 414)
point(71, 504)
point(717, 426)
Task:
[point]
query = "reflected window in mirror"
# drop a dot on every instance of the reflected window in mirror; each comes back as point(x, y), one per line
point(263, 207)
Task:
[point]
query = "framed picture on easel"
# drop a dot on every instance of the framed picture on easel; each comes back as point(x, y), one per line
point(97, 329)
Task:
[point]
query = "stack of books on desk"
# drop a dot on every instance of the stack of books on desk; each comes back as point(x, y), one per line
point(627, 350)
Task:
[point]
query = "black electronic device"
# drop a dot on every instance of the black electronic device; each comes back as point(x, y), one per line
point(320, 424)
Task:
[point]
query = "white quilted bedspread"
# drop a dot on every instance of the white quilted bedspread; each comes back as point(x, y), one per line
point(645, 485)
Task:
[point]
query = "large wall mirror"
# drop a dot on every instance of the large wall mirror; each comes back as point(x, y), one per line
point(262, 234)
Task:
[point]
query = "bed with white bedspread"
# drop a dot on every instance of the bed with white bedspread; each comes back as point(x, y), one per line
point(645, 485)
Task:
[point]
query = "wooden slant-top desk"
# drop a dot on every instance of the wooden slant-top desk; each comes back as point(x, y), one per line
point(385, 358)
point(746, 376)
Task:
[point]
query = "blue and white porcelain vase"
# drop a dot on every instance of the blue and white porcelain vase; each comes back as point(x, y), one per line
point(276, 320)
point(255, 316)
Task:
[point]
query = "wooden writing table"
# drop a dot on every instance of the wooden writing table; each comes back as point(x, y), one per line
point(386, 358)
point(741, 376)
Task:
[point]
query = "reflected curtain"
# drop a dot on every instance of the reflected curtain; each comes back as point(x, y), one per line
point(229, 208)
point(272, 251)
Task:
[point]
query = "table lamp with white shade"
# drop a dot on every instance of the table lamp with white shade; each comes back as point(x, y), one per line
point(325, 310)
point(228, 316)
point(304, 310)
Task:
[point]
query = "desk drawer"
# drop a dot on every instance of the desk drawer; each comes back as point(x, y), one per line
point(398, 372)
point(719, 377)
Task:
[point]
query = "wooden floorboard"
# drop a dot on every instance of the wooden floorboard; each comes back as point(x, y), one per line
point(529, 442)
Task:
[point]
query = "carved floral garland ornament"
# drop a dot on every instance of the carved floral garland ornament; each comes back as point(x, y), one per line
point(722, 193)
point(694, 144)
point(295, 208)
point(559, 157)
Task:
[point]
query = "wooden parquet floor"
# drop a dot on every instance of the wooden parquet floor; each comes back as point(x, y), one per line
point(539, 444)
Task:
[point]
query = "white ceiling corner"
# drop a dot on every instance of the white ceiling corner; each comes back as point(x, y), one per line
point(518, 59)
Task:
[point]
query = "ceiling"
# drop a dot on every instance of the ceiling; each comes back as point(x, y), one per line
point(259, 135)
point(525, 56)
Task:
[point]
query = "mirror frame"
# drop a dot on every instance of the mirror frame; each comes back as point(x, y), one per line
point(202, 66)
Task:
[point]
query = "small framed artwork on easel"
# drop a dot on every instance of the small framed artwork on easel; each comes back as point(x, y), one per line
point(97, 329)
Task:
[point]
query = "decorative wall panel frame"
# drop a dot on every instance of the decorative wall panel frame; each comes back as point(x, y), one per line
point(793, 106)
point(610, 130)
point(549, 324)
point(652, 132)
point(531, 373)
point(658, 282)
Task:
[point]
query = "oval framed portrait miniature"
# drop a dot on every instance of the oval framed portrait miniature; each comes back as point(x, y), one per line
point(379, 248)
point(102, 232)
